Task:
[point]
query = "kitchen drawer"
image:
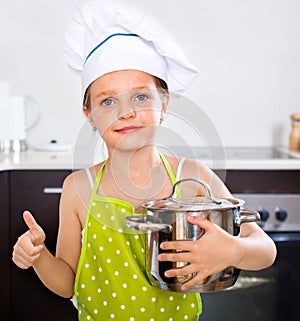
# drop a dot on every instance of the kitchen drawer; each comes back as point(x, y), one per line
point(39, 192)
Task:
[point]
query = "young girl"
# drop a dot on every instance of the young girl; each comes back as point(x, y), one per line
point(128, 68)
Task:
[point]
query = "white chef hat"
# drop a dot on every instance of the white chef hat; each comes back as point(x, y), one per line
point(108, 37)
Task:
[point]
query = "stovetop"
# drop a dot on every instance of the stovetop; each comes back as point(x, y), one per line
point(234, 153)
point(257, 153)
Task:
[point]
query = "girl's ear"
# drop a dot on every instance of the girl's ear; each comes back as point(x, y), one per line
point(86, 112)
point(165, 102)
point(88, 116)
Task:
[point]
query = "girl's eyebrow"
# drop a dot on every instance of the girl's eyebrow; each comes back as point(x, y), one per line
point(113, 92)
point(106, 93)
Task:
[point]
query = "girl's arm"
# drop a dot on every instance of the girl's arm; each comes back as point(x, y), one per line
point(56, 272)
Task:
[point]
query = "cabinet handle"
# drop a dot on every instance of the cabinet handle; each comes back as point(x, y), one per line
point(52, 190)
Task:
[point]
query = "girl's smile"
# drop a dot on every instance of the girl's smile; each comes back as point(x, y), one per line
point(128, 129)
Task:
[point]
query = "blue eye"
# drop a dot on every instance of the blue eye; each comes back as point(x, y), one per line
point(107, 102)
point(141, 97)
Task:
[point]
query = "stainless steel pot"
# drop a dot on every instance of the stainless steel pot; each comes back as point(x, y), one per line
point(166, 221)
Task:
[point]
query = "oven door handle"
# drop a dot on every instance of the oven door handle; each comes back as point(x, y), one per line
point(285, 238)
point(245, 282)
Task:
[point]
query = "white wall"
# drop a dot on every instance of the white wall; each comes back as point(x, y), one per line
point(248, 54)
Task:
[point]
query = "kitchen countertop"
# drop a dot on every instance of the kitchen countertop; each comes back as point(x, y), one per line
point(234, 159)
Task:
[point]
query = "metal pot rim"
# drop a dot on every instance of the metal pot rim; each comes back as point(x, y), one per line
point(191, 204)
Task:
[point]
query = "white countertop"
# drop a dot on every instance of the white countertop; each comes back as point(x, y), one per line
point(32, 159)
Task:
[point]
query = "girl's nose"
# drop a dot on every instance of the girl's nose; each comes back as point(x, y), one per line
point(127, 112)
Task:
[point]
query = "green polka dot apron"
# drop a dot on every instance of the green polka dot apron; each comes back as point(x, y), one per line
point(111, 281)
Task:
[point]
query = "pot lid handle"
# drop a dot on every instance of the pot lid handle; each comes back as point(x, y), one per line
point(206, 186)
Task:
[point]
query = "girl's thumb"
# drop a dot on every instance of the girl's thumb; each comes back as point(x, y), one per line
point(30, 221)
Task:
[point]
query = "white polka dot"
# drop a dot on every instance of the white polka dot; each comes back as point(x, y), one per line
point(120, 230)
point(133, 298)
point(86, 265)
point(112, 316)
point(152, 319)
point(114, 294)
point(136, 237)
point(170, 319)
point(94, 236)
point(118, 251)
point(82, 285)
point(88, 317)
point(110, 239)
point(178, 308)
point(192, 305)
point(100, 269)
point(105, 303)
point(89, 224)
point(112, 218)
point(142, 309)
point(108, 260)
point(95, 311)
point(106, 205)
point(98, 215)
point(95, 257)
point(142, 250)
point(89, 245)
point(131, 319)
point(134, 276)
point(162, 310)
point(93, 277)
point(153, 299)
point(101, 248)
point(171, 298)
point(186, 317)
point(104, 227)
point(144, 288)
point(124, 285)
point(128, 243)
point(123, 210)
point(184, 296)
point(106, 282)
point(116, 273)
point(126, 264)
point(89, 298)
point(93, 204)
point(123, 307)
point(99, 290)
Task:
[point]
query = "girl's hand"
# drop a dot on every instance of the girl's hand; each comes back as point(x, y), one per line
point(211, 253)
point(30, 244)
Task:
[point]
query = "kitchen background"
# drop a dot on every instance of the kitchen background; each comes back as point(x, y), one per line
point(247, 52)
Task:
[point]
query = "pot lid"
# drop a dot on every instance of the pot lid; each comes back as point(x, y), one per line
point(192, 204)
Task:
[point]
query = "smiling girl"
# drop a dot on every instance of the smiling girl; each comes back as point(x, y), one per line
point(127, 67)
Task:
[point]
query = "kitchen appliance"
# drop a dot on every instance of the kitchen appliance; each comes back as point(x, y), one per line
point(270, 294)
point(167, 221)
point(14, 122)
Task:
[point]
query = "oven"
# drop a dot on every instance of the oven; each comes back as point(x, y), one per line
point(270, 294)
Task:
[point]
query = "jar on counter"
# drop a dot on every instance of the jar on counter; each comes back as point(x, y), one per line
point(294, 143)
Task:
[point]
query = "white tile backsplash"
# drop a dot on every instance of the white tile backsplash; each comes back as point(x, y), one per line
point(248, 54)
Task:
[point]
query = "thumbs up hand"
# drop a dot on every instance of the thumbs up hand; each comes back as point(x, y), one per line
point(30, 244)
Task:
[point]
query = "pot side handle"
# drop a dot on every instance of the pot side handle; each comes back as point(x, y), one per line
point(246, 216)
point(147, 223)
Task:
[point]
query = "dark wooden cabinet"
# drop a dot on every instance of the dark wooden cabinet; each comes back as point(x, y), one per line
point(5, 253)
point(262, 181)
point(26, 298)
